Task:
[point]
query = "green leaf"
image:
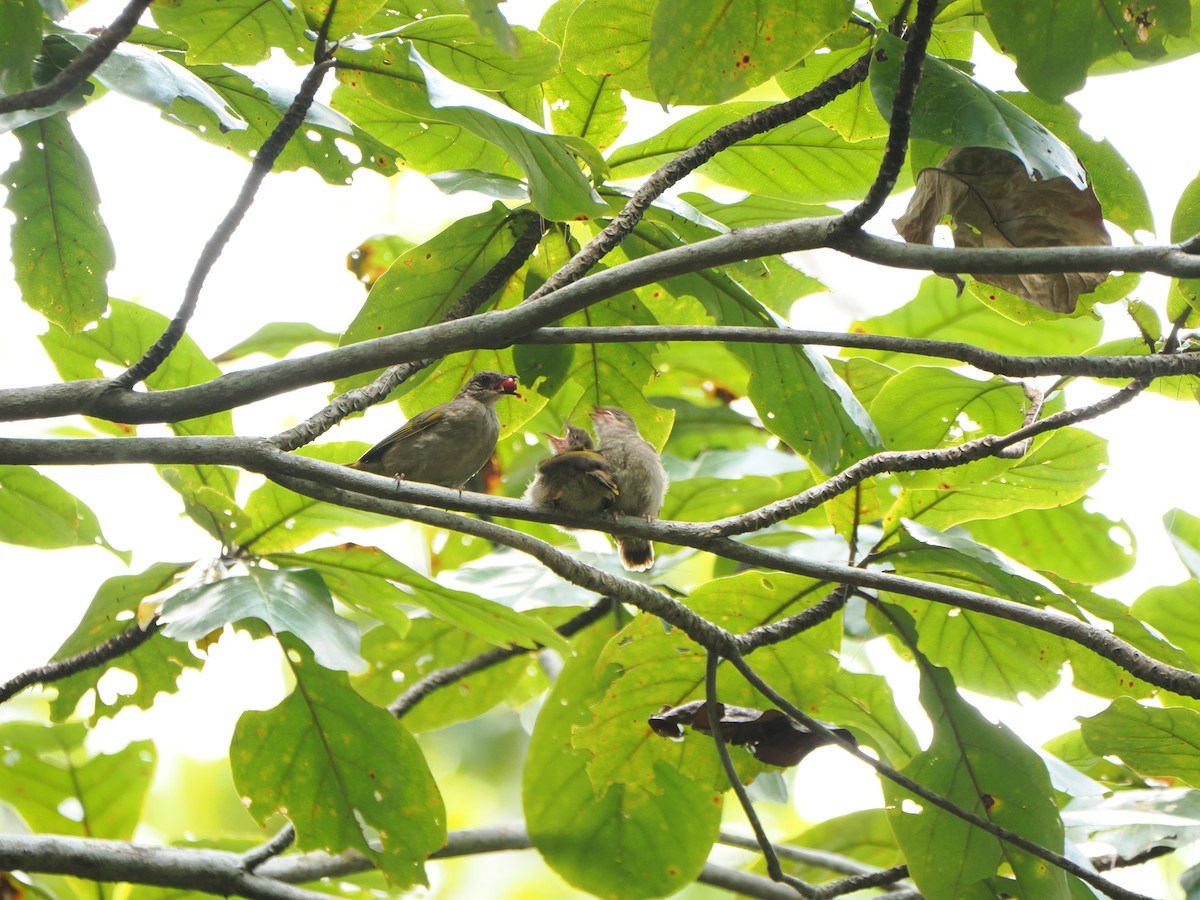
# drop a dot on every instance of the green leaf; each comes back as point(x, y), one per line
point(61, 249)
point(927, 408)
point(853, 114)
point(627, 843)
point(587, 106)
point(396, 663)
point(795, 392)
point(20, 40)
point(1185, 222)
point(58, 789)
point(1100, 676)
point(986, 769)
point(953, 110)
point(755, 210)
point(279, 519)
point(425, 145)
point(156, 664)
point(277, 340)
point(1059, 472)
point(295, 600)
point(1184, 531)
point(160, 80)
point(612, 38)
point(119, 339)
point(402, 80)
point(1068, 540)
point(938, 313)
point(455, 47)
point(1055, 42)
point(36, 512)
point(864, 836)
point(235, 32)
point(1154, 742)
point(348, 16)
point(707, 51)
point(321, 143)
point(1118, 188)
point(987, 654)
point(726, 483)
point(866, 704)
point(345, 772)
point(801, 161)
point(624, 749)
point(1169, 609)
point(349, 572)
point(485, 618)
point(423, 283)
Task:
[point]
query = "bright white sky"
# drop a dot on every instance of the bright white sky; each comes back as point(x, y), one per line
point(163, 191)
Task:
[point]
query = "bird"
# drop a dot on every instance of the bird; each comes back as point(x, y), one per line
point(641, 478)
point(575, 478)
point(448, 443)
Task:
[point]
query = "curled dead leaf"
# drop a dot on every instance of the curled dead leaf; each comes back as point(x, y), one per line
point(993, 202)
point(769, 735)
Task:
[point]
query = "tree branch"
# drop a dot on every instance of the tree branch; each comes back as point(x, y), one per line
point(116, 646)
point(449, 675)
point(194, 869)
point(901, 124)
point(1100, 883)
point(264, 161)
point(360, 490)
point(1157, 365)
point(82, 66)
point(501, 328)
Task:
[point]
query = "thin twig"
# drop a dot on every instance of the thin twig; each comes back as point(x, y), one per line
point(118, 645)
point(670, 173)
point(264, 161)
point(471, 299)
point(282, 839)
point(449, 675)
point(82, 66)
point(1101, 884)
point(901, 124)
point(713, 708)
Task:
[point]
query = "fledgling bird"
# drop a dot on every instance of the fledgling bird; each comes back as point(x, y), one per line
point(448, 443)
point(576, 479)
point(640, 476)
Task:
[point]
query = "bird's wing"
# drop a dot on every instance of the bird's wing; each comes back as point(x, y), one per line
point(418, 424)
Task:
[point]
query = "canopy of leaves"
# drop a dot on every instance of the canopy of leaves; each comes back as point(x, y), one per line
point(907, 514)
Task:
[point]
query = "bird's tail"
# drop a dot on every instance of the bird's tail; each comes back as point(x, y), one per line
point(637, 555)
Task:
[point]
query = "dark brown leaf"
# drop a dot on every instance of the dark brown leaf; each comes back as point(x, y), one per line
point(994, 203)
point(769, 735)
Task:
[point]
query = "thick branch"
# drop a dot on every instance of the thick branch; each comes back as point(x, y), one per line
point(193, 869)
point(501, 328)
point(359, 490)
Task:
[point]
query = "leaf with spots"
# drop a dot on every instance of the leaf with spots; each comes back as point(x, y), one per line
point(986, 769)
point(344, 771)
point(707, 51)
point(793, 388)
point(628, 842)
point(58, 788)
point(61, 249)
point(156, 664)
point(279, 520)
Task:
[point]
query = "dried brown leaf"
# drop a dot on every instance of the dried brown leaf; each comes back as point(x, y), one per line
point(994, 203)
